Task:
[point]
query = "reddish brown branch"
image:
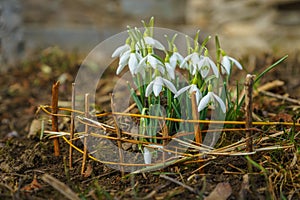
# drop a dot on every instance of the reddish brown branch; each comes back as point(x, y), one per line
point(195, 113)
point(54, 104)
point(165, 135)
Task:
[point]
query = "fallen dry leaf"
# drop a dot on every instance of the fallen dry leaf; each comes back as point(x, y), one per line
point(221, 192)
point(35, 127)
point(88, 171)
point(33, 186)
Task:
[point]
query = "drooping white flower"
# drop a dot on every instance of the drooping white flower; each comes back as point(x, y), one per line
point(121, 50)
point(211, 97)
point(191, 88)
point(156, 85)
point(204, 66)
point(176, 58)
point(154, 43)
point(151, 61)
point(131, 59)
point(194, 59)
point(226, 64)
point(123, 61)
point(170, 69)
point(133, 62)
point(172, 62)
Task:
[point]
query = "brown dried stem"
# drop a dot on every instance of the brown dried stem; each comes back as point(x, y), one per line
point(54, 104)
point(165, 135)
point(195, 113)
point(72, 127)
point(87, 108)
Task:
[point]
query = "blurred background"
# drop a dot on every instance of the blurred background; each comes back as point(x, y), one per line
point(245, 27)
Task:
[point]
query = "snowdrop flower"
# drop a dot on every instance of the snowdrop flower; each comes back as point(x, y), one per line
point(170, 70)
point(156, 86)
point(211, 97)
point(194, 59)
point(131, 59)
point(191, 88)
point(151, 61)
point(175, 58)
point(205, 64)
point(172, 62)
point(154, 43)
point(121, 50)
point(226, 64)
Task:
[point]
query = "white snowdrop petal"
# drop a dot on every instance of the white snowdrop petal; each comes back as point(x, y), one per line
point(198, 96)
point(178, 56)
point(132, 63)
point(138, 55)
point(220, 101)
point(170, 85)
point(201, 63)
point(195, 58)
point(152, 60)
point(236, 63)
point(226, 65)
point(158, 45)
point(142, 63)
point(143, 60)
point(194, 88)
point(204, 102)
point(157, 86)
point(193, 69)
point(154, 43)
point(183, 63)
point(149, 89)
point(141, 70)
point(120, 68)
point(214, 68)
point(170, 70)
point(173, 61)
point(160, 68)
point(124, 58)
point(120, 50)
point(149, 40)
point(182, 90)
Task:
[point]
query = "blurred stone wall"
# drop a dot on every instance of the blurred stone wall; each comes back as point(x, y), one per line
point(251, 26)
point(11, 33)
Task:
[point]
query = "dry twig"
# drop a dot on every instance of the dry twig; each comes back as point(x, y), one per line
point(72, 126)
point(61, 187)
point(54, 104)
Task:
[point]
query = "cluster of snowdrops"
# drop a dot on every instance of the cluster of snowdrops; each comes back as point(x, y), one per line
point(156, 72)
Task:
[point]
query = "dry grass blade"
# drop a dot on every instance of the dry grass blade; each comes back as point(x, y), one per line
point(87, 107)
point(178, 183)
point(277, 96)
point(61, 187)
